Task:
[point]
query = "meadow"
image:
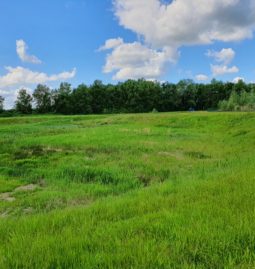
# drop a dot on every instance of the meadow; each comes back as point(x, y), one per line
point(156, 190)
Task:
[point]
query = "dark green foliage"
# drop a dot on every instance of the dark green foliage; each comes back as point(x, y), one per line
point(81, 100)
point(240, 100)
point(9, 113)
point(42, 98)
point(23, 104)
point(1, 104)
point(134, 96)
point(98, 97)
point(170, 98)
point(197, 155)
point(62, 99)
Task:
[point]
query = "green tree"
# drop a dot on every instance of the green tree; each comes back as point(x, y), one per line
point(23, 103)
point(98, 97)
point(170, 99)
point(240, 86)
point(243, 101)
point(187, 89)
point(62, 99)
point(148, 93)
point(1, 104)
point(142, 96)
point(114, 101)
point(42, 98)
point(129, 96)
point(81, 100)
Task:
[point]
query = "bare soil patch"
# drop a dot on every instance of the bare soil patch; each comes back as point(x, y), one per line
point(7, 196)
point(30, 187)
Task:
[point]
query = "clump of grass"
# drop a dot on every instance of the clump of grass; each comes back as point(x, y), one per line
point(197, 155)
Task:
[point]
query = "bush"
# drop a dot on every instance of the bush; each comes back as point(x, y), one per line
point(239, 102)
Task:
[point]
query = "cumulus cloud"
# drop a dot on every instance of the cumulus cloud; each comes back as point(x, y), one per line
point(164, 26)
point(134, 60)
point(202, 77)
point(218, 70)
point(20, 75)
point(224, 56)
point(187, 22)
point(21, 48)
point(111, 43)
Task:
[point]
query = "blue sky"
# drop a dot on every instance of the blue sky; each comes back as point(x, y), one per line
point(82, 40)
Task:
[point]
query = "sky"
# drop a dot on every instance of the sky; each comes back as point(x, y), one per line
point(79, 41)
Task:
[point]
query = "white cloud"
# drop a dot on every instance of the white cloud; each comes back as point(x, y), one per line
point(111, 43)
point(167, 27)
point(237, 79)
point(202, 77)
point(20, 75)
point(187, 22)
point(134, 60)
point(224, 56)
point(218, 70)
point(21, 48)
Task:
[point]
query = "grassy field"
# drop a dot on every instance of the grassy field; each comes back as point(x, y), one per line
point(159, 190)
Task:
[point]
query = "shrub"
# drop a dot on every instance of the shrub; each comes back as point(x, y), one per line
point(244, 101)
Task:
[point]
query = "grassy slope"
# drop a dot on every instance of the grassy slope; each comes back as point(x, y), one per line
point(173, 190)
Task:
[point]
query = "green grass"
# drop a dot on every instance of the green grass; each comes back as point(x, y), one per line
point(163, 190)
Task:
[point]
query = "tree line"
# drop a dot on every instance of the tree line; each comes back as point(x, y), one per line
point(131, 96)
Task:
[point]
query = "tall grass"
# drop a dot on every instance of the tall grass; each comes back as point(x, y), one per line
point(162, 190)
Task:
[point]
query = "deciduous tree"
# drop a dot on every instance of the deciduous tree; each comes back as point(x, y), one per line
point(23, 103)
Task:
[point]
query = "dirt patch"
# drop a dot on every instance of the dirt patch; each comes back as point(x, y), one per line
point(28, 210)
point(30, 187)
point(36, 151)
point(80, 201)
point(177, 154)
point(7, 196)
point(150, 143)
point(4, 214)
point(165, 153)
